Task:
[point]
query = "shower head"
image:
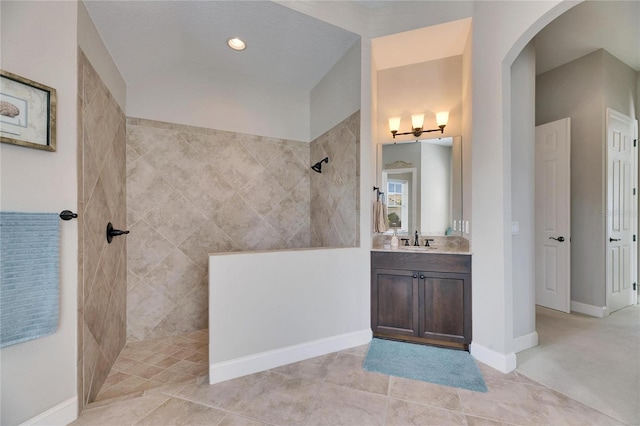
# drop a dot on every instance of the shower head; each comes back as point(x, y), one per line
point(318, 166)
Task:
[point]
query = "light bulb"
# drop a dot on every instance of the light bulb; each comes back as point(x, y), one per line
point(442, 118)
point(417, 120)
point(394, 124)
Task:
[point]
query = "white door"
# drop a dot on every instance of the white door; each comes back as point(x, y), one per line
point(553, 208)
point(621, 210)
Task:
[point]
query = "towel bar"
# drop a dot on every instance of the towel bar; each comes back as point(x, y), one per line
point(68, 215)
point(111, 232)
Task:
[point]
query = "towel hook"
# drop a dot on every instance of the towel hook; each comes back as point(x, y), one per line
point(378, 192)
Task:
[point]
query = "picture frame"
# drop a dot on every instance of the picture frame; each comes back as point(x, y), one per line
point(27, 112)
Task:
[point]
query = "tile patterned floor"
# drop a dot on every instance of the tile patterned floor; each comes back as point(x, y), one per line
point(158, 362)
point(334, 390)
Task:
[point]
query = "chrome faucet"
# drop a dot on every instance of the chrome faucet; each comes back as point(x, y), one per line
point(415, 239)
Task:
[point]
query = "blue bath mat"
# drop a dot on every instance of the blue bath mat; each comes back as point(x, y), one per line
point(446, 367)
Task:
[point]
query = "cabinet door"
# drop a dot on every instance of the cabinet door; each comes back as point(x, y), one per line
point(394, 302)
point(445, 307)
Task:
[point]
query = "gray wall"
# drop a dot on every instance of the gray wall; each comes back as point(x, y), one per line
point(620, 85)
point(582, 89)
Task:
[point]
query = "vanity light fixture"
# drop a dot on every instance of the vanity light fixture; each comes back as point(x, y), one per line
point(236, 44)
point(417, 124)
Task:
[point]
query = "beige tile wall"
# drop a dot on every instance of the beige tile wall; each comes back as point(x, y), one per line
point(193, 191)
point(101, 199)
point(335, 205)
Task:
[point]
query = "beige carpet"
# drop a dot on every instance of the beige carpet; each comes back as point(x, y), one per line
point(594, 361)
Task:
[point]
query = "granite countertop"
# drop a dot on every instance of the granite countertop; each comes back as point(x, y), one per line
point(423, 250)
point(441, 245)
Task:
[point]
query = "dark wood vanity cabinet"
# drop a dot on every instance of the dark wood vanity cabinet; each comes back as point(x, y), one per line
point(423, 298)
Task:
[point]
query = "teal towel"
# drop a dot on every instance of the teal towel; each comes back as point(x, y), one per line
point(29, 276)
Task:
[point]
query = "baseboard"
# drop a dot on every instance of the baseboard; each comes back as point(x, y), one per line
point(501, 362)
point(62, 414)
point(594, 311)
point(239, 367)
point(527, 341)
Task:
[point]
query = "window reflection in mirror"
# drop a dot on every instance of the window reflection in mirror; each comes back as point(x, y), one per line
point(398, 203)
point(423, 183)
point(401, 196)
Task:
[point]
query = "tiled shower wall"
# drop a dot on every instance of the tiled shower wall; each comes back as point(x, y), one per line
point(193, 191)
point(102, 267)
point(335, 205)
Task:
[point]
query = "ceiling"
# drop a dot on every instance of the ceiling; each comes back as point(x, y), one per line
point(587, 27)
point(421, 45)
point(284, 47)
point(288, 48)
point(591, 25)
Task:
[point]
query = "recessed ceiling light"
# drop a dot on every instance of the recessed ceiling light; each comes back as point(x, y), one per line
point(236, 44)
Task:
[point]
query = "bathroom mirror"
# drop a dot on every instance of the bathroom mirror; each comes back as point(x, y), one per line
point(422, 185)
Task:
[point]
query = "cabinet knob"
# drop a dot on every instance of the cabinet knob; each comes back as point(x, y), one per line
point(415, 276)
point(422, 277)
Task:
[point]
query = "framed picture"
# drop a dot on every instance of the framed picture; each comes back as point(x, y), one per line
point(27, 112)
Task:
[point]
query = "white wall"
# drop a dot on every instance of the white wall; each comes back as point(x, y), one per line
point(523, 191)
point(189, 95)
point(238, 103)
point(467, 126)
point(39, 42)
point(500, 31)
point(337, 94)
point(284, 306)
point(368, 158)
point(93, 47)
